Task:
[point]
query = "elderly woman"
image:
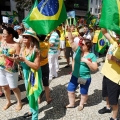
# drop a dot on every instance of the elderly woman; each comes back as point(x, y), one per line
point(30, 61)
point(8, 68)
point(84, 62)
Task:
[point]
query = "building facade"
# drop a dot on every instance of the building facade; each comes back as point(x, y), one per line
point(94, 6)
point(81, 7)
point(9, 6)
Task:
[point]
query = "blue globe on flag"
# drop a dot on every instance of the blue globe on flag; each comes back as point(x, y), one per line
point(102, 42)
point(51, 6)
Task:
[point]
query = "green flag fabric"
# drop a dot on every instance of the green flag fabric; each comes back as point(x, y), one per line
point(27, 18)
point(101, 44)
point(46, 16)
point(93, 21)
point(15, 13)
point(110, 15)
point(34, 88)
point(88, 17)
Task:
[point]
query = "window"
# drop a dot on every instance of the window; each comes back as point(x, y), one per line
point(91, 1)
point(91, 10)
point(96, 2)
point(99, 10)
point(5, 5)
point(100, 2)
point(96, 10)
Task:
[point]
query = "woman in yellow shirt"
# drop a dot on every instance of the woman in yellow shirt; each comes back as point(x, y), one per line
point(44, 48)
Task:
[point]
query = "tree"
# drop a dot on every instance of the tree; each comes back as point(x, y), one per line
point(24, 4)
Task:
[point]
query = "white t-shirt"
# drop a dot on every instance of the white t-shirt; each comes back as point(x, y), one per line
point(87, 36)
point(18, 40)
point(76, 40)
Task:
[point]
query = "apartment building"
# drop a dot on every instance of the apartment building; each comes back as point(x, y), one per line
point(94, 6)
point(8, 6)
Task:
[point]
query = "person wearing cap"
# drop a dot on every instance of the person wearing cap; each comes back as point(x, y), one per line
point(30, 59)
point(8, 67)
point(84, 62)
point(20, 32)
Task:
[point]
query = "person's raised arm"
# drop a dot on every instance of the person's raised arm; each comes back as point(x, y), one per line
point(107, 35)
point(74, 46)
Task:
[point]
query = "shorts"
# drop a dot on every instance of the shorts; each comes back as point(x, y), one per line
point(7, 78)
point(68, 52)
point(72, 86)
point(62, 44)
point(110, 90)
point(45, 74)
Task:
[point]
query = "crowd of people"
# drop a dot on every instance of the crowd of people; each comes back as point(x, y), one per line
point(22, 48)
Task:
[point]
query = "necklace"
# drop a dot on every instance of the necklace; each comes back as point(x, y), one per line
point(26, 52)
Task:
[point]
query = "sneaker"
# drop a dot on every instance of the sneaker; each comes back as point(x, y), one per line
point(104, 110)
point(113, 119)
point(55, 75)
point(50, 78)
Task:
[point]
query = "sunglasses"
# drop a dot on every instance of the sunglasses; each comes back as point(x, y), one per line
point(26, 37)
point(81, 42)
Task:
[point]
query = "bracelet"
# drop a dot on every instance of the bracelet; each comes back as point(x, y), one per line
point(117, 61)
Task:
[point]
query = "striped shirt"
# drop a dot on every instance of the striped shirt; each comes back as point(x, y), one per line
point(54, 39)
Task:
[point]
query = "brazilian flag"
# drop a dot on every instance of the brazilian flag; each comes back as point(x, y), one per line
point(34, 88)
point(15, 13)
point(93, 21)
point(110, 15)
point(101, 43)
point(46, 16)
point(88, 17)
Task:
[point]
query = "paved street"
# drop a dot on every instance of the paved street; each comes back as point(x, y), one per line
point(55, 110)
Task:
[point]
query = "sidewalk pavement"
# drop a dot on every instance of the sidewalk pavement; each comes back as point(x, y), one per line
point(56, 109)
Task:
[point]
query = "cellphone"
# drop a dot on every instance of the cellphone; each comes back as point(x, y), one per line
point(16, 55)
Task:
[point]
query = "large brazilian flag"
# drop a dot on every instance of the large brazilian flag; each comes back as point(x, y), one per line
point(110, 16)
point(34, 88)
point(46, 16)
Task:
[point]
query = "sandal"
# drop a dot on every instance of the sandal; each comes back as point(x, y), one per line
point(28, 114)
point(19, 107)
point(49, 101)
point(68, 106)
point(80, 108)
point(7, 106)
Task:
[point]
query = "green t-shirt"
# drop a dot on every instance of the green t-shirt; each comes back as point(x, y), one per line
point(84, 71)
point(77, 55)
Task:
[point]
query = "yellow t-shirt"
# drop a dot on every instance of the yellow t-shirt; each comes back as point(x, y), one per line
point(110, 69)
point(95, 38)
point(62, 34)
point(44, 48)
point(67, 41)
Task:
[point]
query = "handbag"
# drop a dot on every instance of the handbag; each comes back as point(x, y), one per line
point(82, 81)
